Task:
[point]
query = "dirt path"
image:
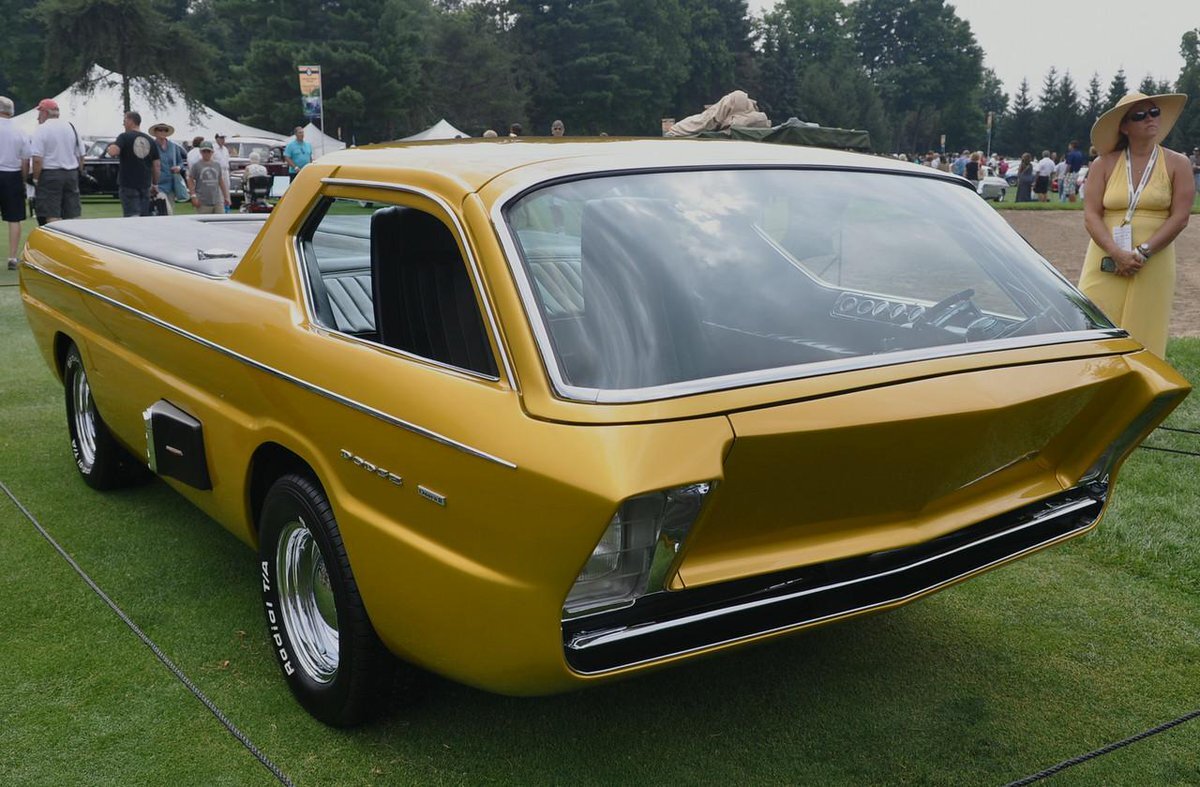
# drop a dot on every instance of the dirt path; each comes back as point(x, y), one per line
point(1061, 238)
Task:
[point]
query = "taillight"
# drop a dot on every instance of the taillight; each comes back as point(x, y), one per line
point(639, 551)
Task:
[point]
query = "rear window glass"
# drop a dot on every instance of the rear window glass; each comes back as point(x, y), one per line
point(656, 279)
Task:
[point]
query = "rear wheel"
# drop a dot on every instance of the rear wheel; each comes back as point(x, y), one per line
point(324, 643)
point(102, 462)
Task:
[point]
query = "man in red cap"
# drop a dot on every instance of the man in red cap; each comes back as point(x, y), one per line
point(57, 158)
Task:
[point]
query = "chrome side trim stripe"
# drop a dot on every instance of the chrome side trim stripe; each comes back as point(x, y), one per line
point(262, 367)
point(586, 640)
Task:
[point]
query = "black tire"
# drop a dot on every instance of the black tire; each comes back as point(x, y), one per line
point(101, 460)
point(317, 626)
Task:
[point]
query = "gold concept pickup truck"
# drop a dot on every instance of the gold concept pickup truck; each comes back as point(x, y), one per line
point(539, 414)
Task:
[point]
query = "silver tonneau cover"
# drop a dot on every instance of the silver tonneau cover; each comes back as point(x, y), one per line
point(209, 245)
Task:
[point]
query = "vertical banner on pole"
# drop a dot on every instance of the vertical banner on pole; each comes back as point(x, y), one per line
point(310, 91)
point(310, 97)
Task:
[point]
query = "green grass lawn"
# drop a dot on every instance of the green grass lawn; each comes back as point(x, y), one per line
point(1010, 203)
point(986, 682)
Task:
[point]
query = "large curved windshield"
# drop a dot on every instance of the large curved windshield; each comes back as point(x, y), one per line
point(660, 279)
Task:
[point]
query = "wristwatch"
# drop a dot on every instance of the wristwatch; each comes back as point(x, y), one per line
point(1144, 250)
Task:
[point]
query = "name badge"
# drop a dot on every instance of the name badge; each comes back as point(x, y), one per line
point(1123, 237)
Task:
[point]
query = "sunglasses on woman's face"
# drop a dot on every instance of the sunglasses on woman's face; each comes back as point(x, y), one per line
point(1142, 114)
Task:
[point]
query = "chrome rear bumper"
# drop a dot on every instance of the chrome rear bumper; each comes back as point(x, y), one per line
point(676, 623)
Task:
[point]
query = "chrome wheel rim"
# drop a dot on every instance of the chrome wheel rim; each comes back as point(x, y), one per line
point(83, 410)
point(306, 602)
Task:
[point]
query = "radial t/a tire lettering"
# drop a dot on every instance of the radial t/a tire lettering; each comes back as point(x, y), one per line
point(317, 626)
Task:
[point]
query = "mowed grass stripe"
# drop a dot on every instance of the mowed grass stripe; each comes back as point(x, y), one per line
point(987, 682)
point(86, 702)
point(133, 627)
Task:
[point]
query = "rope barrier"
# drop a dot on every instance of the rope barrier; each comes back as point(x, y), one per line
point(1176, 429)
point(1169, 450)
point(170, 665)
point(1082, 758)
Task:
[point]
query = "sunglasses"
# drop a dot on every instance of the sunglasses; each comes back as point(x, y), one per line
point(1142, 114)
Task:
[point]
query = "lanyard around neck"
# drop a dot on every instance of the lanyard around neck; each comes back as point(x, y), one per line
point(1135, 196)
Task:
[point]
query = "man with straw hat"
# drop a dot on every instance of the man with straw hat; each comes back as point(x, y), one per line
point(171, 157)
point(1138, 200)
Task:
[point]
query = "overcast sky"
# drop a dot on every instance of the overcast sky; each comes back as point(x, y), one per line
point(1023, 38)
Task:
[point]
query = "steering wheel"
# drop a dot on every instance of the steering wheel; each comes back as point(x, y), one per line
point(1018, 328)
point(940, 313)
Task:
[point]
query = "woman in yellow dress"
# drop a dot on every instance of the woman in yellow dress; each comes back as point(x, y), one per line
point(1129, 271)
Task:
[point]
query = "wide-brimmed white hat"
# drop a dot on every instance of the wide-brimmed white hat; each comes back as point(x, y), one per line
point(1107, 129)
point(170, 129)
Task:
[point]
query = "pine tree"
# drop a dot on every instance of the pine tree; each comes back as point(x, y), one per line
point(1117, 88)
point(1021, 124)
point(1091, 105)
point(1186, 134)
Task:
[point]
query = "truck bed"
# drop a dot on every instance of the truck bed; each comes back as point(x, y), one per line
point(208, 245)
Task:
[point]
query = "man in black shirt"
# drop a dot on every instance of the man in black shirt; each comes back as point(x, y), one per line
point(137, 174)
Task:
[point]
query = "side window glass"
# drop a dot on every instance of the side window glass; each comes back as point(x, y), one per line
point(338, 260)
point(395, 275)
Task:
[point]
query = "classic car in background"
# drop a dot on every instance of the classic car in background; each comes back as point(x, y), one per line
point(1010, 177)
point(270, 152)
point(555, 413)
point(992, 186)
point(99, 169)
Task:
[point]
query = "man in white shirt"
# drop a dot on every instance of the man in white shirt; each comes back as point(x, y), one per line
point(14, 166)
point(57, 155)
point(193, 155)
point(221, 156)
point(1041, 176)
point(1060, 174)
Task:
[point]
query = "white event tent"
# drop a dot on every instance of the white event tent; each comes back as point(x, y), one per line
point(439, 130)
point(98, 115)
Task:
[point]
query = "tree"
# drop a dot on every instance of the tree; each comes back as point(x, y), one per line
point(1117, 88)
point(469, 74)
point(927, 65)
point(601, 65)
point(720, 54)
point(1059, 115)
point(1020, 126)
point(22, 72)
point(1091, 105)
point(809, 70)
point(134, 38)
point(796, 35)
point(993, 99)
point(1186, 134)
point(370, 53)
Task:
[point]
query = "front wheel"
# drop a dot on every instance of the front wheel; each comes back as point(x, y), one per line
point(324, 643)
point(102, 462)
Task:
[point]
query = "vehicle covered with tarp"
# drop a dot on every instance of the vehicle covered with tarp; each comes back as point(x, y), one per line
point(798, 132)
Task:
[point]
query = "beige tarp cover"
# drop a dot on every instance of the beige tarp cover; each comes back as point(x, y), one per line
point(735, 109)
